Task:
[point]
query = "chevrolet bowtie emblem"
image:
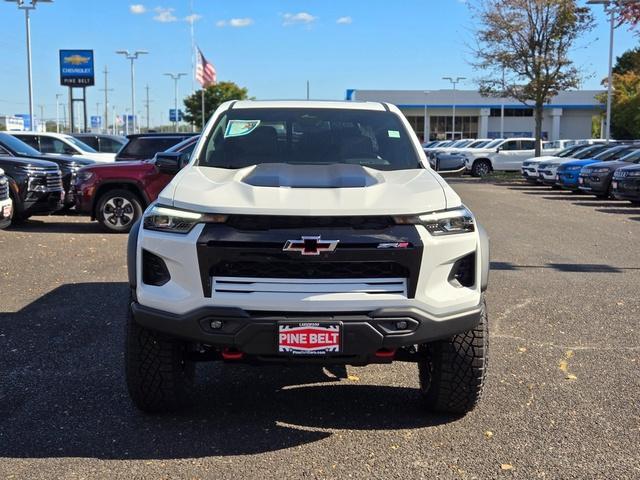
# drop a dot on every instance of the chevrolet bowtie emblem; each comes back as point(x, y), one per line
point(310, 245)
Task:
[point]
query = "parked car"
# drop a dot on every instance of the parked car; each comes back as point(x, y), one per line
point(102, 142)
point(6, 204)
point(61, 144)
point(507, 155)
point(548, 170)
point(253, 255)
point(626, 184)
point(454, 161)
point(116, 194)
point(35, 186)
point(530, 167)
point(144, 146)
point(569, 172)
point(69, 166)
point(597, 177)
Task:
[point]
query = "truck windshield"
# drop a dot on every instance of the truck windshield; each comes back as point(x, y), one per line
point(309, 136)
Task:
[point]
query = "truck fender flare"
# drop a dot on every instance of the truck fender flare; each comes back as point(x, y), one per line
point(484, 258)
point(132, 251)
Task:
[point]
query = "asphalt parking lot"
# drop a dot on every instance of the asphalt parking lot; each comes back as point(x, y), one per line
point(562, 399)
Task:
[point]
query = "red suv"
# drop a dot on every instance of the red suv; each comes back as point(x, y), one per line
point(116, 194)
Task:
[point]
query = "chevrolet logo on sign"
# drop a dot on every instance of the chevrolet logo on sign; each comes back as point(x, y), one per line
point(77, 68)
point(310, 245)
point(77, 60)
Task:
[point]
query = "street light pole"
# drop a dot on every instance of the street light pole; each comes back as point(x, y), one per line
point(132, 57)
point(58, 95)
point(27, 7)
point(425, 129)
point(454, 82)
point(175, 77)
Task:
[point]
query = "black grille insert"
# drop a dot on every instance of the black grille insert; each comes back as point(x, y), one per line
point(274, 222)
point(304, 270)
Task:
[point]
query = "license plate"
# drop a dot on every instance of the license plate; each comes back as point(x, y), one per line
point(614, 184)
point(309, 338)
point(581, 180)
point(6, 211)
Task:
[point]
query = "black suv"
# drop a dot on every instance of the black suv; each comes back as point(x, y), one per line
point(35, 186)
point(144, 146)
point(6, 210)
point(626, 184)
point(69, 166)
point(102, 142)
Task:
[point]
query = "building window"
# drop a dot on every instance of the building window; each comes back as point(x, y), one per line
point(513, 112)
point(441, 128)
point(417, 123)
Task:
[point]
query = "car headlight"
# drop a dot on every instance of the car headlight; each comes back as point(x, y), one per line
point(445, 222)
point(601, 170)
point(173, 220)
point(82, 177)
point(634, 173)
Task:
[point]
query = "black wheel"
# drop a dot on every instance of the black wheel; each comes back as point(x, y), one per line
point(17, 216)
point(606, 196)
point(453, 371)
point(481, 168)
point(118, 210)
point(159, 377)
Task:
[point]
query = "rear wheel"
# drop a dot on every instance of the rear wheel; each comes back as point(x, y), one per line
point(118, 210)
point(481, 168)
point(159, 376)
point(453, 371)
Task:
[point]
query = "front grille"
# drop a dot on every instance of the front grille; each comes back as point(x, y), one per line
point(310, 270)
point(54, 181)
point(620, 174)
point(306, 287)
point(274, 222)
point(4, 188)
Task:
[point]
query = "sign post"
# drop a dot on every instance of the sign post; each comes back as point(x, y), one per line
point(77, 71)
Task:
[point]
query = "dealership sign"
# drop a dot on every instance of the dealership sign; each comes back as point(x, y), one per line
point(76, 68)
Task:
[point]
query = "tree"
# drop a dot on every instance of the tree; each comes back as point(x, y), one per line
point(625, 108)
point(629, 61)
point(523, 48)
point(214, 96)
point(629, 13)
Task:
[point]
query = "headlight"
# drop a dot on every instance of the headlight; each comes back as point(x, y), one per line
point(601, 170)
point(446, 222)
point(167, 219)
point(84, 176)
point(634, 173)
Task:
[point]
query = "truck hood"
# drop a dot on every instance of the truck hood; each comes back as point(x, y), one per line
point(280, 189)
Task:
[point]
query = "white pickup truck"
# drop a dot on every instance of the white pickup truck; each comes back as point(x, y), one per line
point(507, 155)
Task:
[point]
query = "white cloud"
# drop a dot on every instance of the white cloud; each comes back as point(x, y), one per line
point(193, 18)
point(164, 15)
point(344, 21)
point(137, 9)
point(240, 22)
point(235, 22)
point(303, 18)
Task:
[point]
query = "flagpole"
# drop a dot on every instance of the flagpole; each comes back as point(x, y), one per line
point(203, 111)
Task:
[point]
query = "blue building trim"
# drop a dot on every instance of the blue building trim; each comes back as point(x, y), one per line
point(514, 106)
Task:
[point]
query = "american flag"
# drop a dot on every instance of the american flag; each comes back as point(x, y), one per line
point(205, 71)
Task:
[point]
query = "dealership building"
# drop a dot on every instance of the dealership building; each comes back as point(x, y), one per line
point(569, 115)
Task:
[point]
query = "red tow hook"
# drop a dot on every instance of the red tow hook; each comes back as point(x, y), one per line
point(386, 353)
point(232, 354)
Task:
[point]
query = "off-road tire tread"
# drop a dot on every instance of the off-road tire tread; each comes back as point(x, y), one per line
point(453, 373)
point(159, 379)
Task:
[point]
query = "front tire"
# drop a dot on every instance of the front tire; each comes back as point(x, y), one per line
point(453, 371)
point(118, 210)
point(481, 168)
point(159, 377)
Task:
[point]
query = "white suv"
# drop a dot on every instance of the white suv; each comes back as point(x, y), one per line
point(307, 232)
point(506, 155)
point(61, 144)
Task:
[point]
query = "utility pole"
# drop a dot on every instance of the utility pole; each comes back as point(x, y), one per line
point(454, 82)
point(106, 91)
point(175, 77)
point(58, 95)
point(132, 57)
point(146, 104)
point(42, 117)
point(307, 89)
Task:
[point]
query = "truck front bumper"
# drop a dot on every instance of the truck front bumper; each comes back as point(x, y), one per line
point(255, 334)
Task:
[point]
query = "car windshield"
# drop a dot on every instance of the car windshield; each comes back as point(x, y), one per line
point(634, 156)
point(493, 143)
point(616, 154)
point(590, 151)
point(81, 145)
point(18, 147)
point(461, 143)
point(309, 136)
point(478, 144)
point(567, 152)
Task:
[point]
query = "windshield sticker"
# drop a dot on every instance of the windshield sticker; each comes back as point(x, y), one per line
point(238, 128)
point(394, 134)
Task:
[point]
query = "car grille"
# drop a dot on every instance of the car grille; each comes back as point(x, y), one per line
point(274, 222)
point(620, 174)
point(4, 188)
point(54, 181)
point(310, 270)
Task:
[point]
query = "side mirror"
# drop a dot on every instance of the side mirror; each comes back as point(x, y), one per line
point(169, 163)
point(498, 149)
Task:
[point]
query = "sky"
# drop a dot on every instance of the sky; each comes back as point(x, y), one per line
point(271, 47)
